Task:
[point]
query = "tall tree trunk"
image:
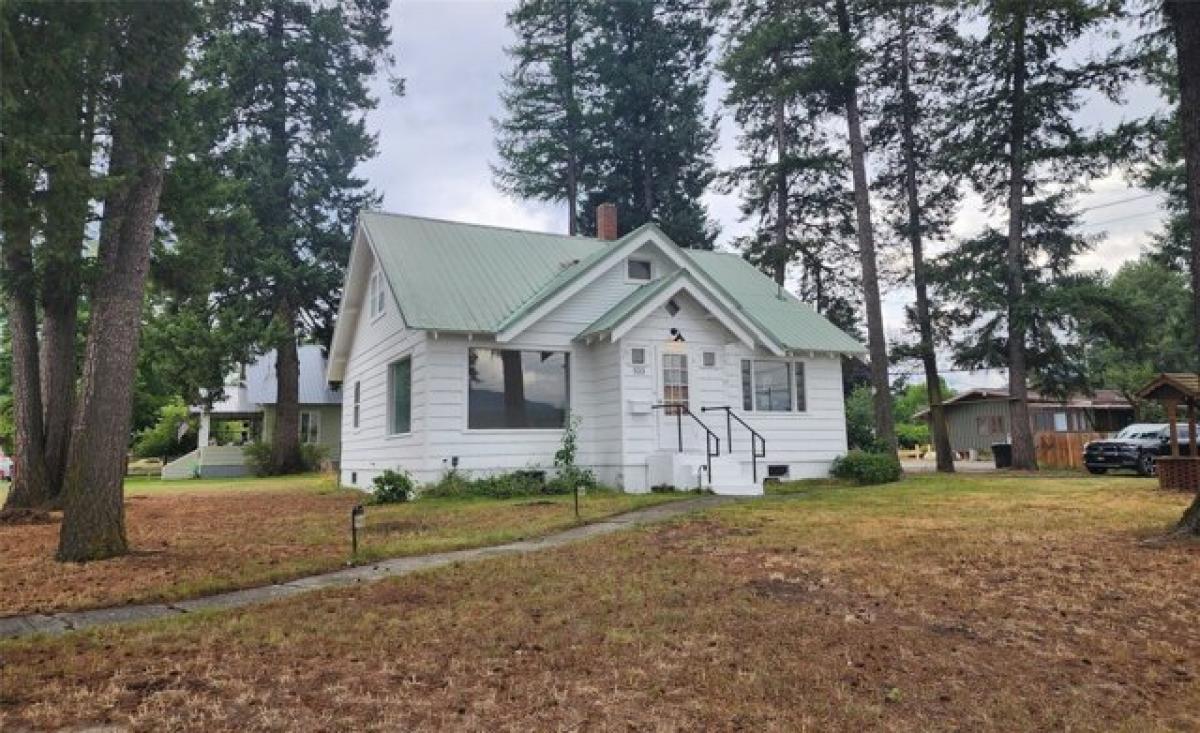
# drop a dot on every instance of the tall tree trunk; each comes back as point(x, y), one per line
point(933, 383)
point(285, 441)
point(29, 486)
point(885, 429)
point(1185, 19)
point(93, 500)
point(1023, 454)
point(66, 217)
point(573, 125)
point(781, 180)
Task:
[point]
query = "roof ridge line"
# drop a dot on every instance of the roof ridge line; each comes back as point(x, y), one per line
point(439, 220)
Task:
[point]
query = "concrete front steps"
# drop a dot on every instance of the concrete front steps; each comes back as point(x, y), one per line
point(731, 476)
point(214, 461)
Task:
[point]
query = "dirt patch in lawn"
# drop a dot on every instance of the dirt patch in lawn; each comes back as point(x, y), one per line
point(955, 610)
point(190, 543)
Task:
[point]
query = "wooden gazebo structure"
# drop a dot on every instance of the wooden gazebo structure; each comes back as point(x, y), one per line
point(1177, 471)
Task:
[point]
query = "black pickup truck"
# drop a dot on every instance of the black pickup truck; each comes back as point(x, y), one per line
point(1136, 447)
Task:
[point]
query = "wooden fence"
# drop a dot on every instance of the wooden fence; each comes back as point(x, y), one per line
point(1062, 450)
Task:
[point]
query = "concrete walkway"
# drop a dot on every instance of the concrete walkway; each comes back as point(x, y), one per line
point(60, 623)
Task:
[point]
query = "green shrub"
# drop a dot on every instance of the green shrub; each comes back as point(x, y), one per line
point(162, 439)
point(867, 468)
point(258, 455)
point(910, 435)
point(392, 487)
point(501, 486)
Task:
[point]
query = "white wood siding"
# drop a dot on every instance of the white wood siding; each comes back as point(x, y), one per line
point(369, 449)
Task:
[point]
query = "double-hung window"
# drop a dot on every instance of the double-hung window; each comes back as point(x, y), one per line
point(773, 386)
point(376, 294)
point(675, 382)
point(400, 394)
point(310, 426)
point(512, 389)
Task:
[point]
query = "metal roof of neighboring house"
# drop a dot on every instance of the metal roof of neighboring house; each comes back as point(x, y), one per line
point(258, 388)
point(449, 276)
point(1103, 399)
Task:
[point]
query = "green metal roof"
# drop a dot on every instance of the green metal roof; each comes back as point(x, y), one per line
point(795, 324)
point(629, 304)
point(449, 276)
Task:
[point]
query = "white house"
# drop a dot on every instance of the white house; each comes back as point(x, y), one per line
point(468, 346)
point(246, 414)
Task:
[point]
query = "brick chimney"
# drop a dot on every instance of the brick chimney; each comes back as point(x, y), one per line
point(606, 221)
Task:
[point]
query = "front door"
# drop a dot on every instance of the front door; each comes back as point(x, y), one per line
point(674, 391)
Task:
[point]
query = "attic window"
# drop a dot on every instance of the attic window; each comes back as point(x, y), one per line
point(672, 307)
point(638, 269)
point(375, 294)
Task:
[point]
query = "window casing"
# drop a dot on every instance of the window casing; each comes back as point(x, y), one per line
point(637, 356)
point(773, 386)
point(357, 401)
point(376, 294)
point(400, 397)
point(310, 426)
point(508, 389)
point(638, 270)
point(675, 382)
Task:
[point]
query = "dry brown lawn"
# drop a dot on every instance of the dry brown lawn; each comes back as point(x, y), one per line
point(971, 604)
point(196, 538)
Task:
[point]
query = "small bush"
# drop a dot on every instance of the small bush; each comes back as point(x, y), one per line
point(867, 468)
point(509, 485)
point(258, 455)
point(910, 435)
point(392, 487)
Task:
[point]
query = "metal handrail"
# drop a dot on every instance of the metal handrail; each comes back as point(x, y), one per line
point(730, 416)
point(712, 441)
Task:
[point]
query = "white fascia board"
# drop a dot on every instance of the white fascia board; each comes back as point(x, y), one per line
point(348, 310)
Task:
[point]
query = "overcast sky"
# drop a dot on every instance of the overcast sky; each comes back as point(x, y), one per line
point(436, 145)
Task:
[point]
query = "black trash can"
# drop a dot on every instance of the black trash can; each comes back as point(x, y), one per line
point(1002, 454)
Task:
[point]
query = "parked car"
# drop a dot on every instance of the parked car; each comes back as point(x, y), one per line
point(1136, 447)
point(6, 468)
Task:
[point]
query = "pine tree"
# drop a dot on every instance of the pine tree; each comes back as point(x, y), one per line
point(906, 71)
point(544, 151)
point(647, 75)
point(1014, 134)
point(848, 53)
point(971, 282)
point(292, 77)
point(55, 84)
point(143, 115)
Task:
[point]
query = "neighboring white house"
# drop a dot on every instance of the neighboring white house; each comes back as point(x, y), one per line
point(246, 414)
point(465, 345)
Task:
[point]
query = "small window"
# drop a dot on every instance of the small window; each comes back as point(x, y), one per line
point(709, 358)
point(376, 294)
point(310, 427)
point(638, 269)
point(400, 388)
point(637, 356)
point(357, 399)
point(777, 470)
point(989, 425)
point(801, 398)
point(354, 477)
point(672, 307)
